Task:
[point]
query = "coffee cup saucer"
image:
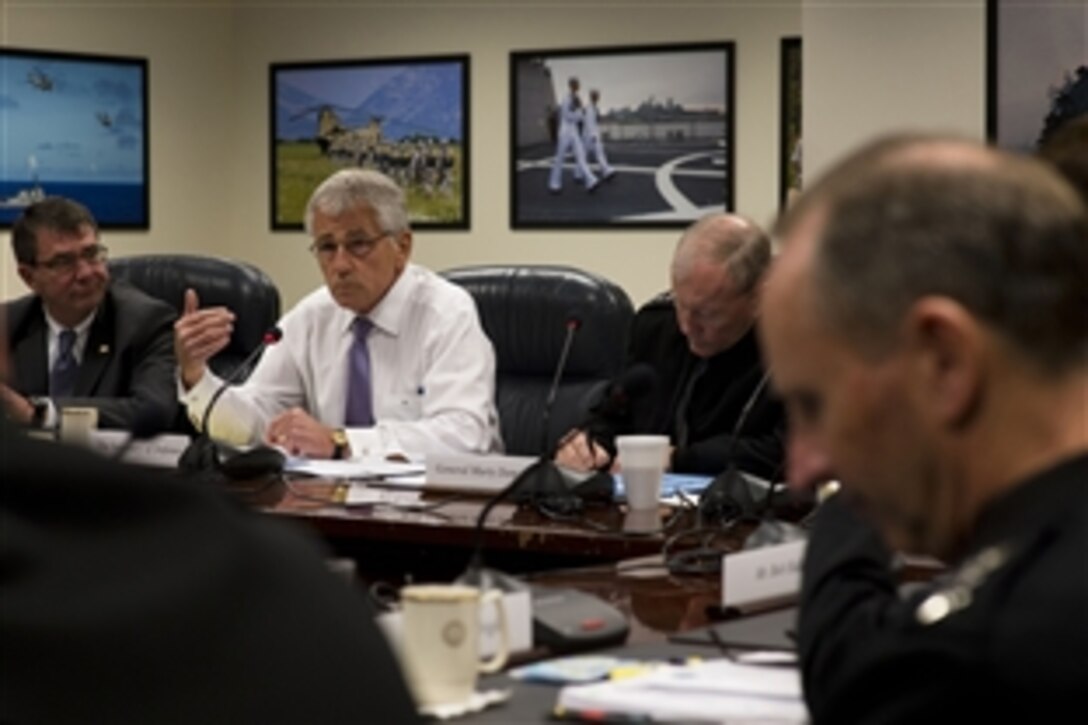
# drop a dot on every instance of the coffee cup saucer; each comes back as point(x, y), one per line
point(473, 703)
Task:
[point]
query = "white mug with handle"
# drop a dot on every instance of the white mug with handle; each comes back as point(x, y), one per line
point(440, 640)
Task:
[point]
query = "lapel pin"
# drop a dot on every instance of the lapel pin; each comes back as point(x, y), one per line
point(103, 349)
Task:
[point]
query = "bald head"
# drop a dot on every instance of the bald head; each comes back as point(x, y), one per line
point(727, 240)
point(716, 270)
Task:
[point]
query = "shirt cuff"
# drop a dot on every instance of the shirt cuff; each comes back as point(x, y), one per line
point(372, 443)
point(196, 398)
point(49, 420)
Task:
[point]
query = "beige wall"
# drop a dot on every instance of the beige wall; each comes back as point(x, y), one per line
point(209, 105)
point(886, 64)
point(191, 108)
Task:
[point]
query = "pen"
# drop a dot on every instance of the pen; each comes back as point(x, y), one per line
point(602, 716)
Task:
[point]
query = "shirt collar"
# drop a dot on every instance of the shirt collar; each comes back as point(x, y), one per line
point(389, 313)
point(55, 328)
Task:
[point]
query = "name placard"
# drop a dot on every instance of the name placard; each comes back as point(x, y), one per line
point(762, 575)
point(162, 451)
point(474, 474)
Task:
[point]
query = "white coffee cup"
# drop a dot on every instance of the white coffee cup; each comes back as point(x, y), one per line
point(642, 461)
point(77, 424)
point(440, 640)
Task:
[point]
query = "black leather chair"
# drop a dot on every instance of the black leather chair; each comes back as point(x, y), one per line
point(524, 310)
point(239, 286)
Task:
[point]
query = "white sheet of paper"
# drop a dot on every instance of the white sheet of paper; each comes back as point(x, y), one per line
point(360, 469)
point(711, 691)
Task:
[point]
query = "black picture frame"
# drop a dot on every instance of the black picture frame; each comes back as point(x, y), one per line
point(1036, 70)
point(667, 128)
point(790, 165)
point(409, 118)
point(75, 125)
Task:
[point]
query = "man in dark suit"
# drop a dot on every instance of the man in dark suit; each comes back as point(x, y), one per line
point(701, 342)
point(124, 599)
point(79, 340)
point(927, 327)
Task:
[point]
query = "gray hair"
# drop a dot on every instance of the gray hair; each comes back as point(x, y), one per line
point(728, 239)
point(349, 188)
point(914, 216)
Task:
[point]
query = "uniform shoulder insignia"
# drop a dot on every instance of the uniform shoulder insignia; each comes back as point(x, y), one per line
point(956, 591)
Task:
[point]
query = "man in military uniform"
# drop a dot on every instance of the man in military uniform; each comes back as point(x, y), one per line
point(591, 135)
point(927, 327)
point(571, 115)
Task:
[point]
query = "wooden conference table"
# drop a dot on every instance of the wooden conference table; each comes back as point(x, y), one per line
point(415, 535)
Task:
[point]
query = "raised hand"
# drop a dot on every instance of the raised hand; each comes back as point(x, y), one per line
point(198, 335)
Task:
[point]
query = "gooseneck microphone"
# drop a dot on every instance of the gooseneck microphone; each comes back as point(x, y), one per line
point(632, 384)
point(541, 485)
point(573, 324)
point(728, 495)
point(202, 455)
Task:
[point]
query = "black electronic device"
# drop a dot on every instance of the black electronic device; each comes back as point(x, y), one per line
point(202, 455)
point(632, 384)
point(773, 630)
point(564, 619)
point(569, 620)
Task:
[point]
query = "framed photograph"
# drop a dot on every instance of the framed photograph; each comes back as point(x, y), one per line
point(621, 137)
point(405, 117)
point(74, 125)
point(789, 124)
point(1037, 70)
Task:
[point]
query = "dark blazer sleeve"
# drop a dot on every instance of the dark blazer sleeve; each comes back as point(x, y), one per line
point(760, 453)
point(137, 372)
point(864, 658)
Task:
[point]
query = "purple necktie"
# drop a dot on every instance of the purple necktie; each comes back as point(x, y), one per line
point(360, 412)
point(62, 379)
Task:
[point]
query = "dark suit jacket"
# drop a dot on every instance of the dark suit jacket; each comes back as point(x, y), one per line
point(143, 597)
point(128, 365)
point(718, 397)
point(1010, 644)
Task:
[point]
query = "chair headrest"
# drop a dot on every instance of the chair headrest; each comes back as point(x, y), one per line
point(525, 310)
point(238, 286)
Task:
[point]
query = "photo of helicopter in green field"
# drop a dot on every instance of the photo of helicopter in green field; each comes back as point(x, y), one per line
point(402, 118)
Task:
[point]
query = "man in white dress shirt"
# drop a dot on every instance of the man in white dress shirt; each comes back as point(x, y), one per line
point(430, 366)
point(571, 115)
point(591, 135)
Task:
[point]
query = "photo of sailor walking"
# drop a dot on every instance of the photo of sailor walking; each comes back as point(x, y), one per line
point(591, 136)
point(571, 117)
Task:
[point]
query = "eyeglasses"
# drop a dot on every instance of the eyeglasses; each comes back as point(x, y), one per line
point(358, 247)
point(67, 263)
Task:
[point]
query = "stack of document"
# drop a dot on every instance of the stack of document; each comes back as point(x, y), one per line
point(356, 469)
point(710, 691)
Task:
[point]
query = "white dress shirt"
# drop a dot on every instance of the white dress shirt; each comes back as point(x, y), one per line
point(432, 374)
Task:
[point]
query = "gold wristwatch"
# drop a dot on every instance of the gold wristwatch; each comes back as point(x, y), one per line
point(339, 443)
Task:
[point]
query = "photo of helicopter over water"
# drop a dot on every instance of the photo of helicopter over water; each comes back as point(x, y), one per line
point(404, 117)
point(75, 125)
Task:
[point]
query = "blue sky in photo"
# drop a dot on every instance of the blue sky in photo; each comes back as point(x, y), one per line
point(70, 119)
